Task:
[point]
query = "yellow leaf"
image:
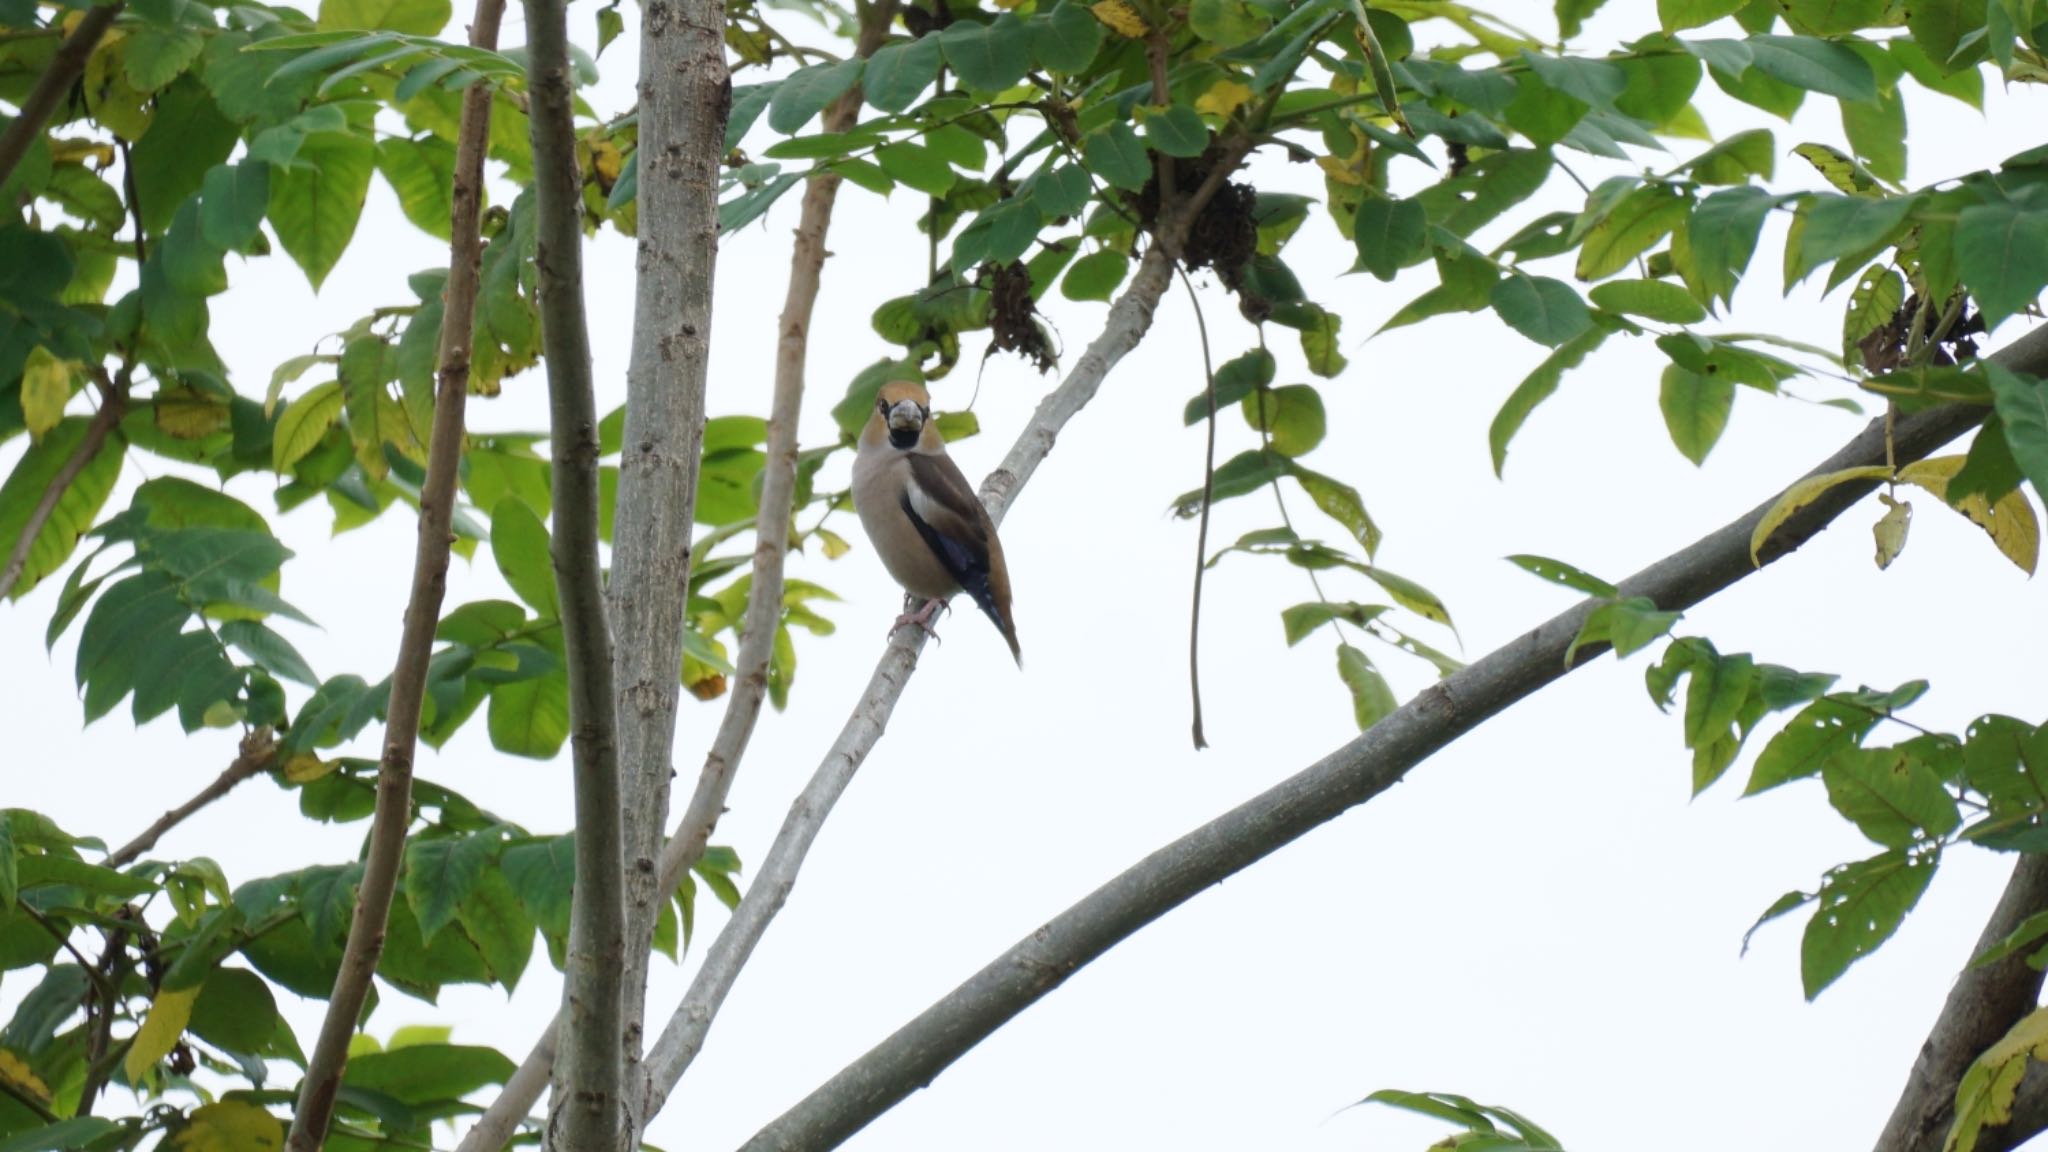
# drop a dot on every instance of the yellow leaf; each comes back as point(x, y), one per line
point(2010, 523)
point(17, 1074)
point(1120, 16)
point(1891, 528)
point(1223, 98)
point(364, 1044)
point(186, 413)
point(230, 1126)
point(305, 766)
point(1984, 1098)
point(160, 1031)
point(45, 388)
point(80, 151)
point(1340, 170)
point(608, 162)
point(1800, 495)
point(835, 544)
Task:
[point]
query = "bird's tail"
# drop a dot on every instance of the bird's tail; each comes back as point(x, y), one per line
point(999, 613)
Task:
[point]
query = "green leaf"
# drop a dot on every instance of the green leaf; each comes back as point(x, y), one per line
point(530, 717)
point(1302, 619)
point(1177, 130)
point(916, 166)
point(1819, 732)
point(1639, 220)
point(1651, 299)
point(269, 650)
point(1095, 276)
point(236, 1011)
point(233, 201)
point(1114, 154)
point(1721, 237)
point(1065, 39)
point(1833, 17)
point(76, 508)
point(519, 543)
point(1891, 796)
point(1390, 234)
point(423, 1074)
point(418, 17)
point(1340, 502)
point(1877, 135)
point(1291, 416)
point(1537, 387)
point(988, 57)
point(1559, 572)
point(1371, 698)
point(2002, 255)
point(314, 206)
point(1822, 66)
point(1063, 190)
point(1410, 595)
point(1242, 473)
point(1545, 310)
point(806, 92)
point(2022, 403)
point(440, 874)
point(302, 424)
point(1236, 379)
point(422, 172)
point(1859, 908)
point(1736, 159)
point(186, 139)
point(898, 73)
point(1227, 23)
point(1830, 227)
point(1695, 409)
point(154, 54)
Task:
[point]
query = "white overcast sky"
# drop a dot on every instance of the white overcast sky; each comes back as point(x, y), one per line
point(1539, 918)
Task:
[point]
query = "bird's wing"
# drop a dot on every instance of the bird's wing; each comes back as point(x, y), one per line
point(947, 514)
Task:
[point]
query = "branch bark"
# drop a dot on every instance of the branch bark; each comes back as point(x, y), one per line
point(585, 1113)
point(258, 754)
point(1982, 1006)
point(683, 1038)
point(324, 1066)
point(113, 406)
point(66, 66)
point(1350, 776)
point(685, 92)
point(778, 487)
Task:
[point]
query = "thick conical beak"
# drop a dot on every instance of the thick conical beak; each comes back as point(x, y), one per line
point(906, 416)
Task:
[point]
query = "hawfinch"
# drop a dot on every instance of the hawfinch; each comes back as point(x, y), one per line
point(927, 525)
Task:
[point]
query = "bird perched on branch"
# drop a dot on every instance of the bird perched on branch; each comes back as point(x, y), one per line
point(930, 530)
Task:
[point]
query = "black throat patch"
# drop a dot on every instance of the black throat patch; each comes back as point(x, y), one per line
point(904, 439)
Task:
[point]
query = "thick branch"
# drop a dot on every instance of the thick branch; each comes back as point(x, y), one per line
point(685, 93)
point(113, 405)
point(66, 66)
point(422, 615)
point(585, 1114)
point(1350, 776)
point(1984, 1003)
point(258, 753)
point(680, 1042)
point(778, 488)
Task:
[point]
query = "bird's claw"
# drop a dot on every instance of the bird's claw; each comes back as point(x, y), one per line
point(922, 617)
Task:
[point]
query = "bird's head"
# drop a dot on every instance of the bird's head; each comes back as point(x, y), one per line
point(903, 407)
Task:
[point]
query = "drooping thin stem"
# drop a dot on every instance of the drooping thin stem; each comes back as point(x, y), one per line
point(113, 405)
point(329, 1056)
point(587, 1110)
point(1201, 533)
point(1353, 774)
point(66, 65)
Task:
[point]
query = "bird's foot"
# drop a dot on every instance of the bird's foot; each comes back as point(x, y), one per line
point(922, 617)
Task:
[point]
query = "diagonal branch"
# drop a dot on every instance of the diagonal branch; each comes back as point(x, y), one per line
point(322, 1083)
point(684, 1037)
point(66, 66)
point(1350, 776)
point(585, 1113)
point(1985, 1002)
point(258, 755)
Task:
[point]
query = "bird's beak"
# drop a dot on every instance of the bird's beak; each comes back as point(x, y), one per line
point(906, 416)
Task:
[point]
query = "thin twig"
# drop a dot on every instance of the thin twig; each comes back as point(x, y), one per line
point(325, 1063)
point(107, 979)
point(257, 756)
point(66, 65)
point(1363, 768)
point(585, 1114)
point(1201, 533)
